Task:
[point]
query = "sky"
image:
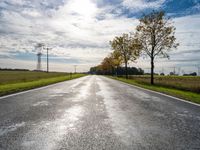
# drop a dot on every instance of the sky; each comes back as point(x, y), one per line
point(79, 31)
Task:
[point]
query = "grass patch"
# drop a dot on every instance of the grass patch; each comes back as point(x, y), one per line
point(186, 83)
point(9, 77)
point(21, 86)
point(186, 95)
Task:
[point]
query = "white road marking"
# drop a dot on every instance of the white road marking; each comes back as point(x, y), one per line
point(158, 93)
point(35, 89)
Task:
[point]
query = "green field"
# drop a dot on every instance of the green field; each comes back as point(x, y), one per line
point(186, 83)
point(187, 88)
point(16, 81)
point(8, 77)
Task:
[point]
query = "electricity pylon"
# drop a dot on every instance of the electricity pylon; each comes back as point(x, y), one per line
point(39, 46)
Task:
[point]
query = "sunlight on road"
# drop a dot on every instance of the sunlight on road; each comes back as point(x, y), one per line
point(47, 134)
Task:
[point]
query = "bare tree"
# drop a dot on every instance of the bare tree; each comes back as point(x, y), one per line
point(156, 34)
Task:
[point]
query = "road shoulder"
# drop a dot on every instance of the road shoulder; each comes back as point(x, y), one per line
point(14, 89)
point(185, 96)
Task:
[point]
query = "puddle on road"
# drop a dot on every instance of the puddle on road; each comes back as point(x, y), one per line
point(143, 96)
point(47, 134)
point(83, 92)
point(58, 92)
point(41, 103)
point(74, 86)
point(119, 121)
point(7, 129)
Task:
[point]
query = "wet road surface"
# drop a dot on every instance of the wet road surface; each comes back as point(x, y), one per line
point(97, 113)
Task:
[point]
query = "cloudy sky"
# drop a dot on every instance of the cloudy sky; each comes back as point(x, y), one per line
point(79, 31)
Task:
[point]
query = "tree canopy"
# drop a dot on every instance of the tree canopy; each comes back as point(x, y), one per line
point(126, 48)
point(155, 33)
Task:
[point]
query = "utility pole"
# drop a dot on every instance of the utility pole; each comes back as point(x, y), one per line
point(179, 70)
point(174, 70)
point(183, 71)
point(163, 70)
point(198, 70)
point(47, 59)
point(47, 48)
point(75, 68)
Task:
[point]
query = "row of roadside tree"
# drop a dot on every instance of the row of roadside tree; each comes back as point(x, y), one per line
point(154, 36)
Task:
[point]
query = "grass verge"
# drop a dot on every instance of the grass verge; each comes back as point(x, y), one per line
point(18, 87)
point(189, 96)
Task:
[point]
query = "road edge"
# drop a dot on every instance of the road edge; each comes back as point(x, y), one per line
point(36, 89)
point(173, 97)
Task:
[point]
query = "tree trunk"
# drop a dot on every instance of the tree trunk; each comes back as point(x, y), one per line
point(116, 71)
point(126, 70)
point(152, 70)
point(113, 71)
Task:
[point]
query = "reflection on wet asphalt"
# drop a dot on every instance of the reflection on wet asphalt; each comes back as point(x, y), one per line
point(96, 112)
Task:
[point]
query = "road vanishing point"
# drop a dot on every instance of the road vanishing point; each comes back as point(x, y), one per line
point(97, 113)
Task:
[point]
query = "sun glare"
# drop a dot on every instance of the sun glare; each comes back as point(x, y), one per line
point(84, 8)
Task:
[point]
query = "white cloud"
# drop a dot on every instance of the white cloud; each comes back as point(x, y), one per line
point(31, 13)
point(17, 2)
point(73, 29)
point(31, 65)
point(137, 5)
point(77, 30)
point(188, 36)
point(188, 32)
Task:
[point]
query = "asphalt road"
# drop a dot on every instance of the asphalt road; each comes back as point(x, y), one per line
point(95, 112)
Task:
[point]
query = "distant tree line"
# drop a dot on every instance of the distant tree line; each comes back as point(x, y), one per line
point(154, 37)
point(116, 71)
point(9, 69)
point(16, 69)
point(190, 74)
